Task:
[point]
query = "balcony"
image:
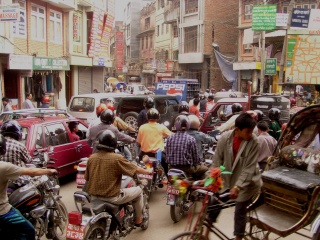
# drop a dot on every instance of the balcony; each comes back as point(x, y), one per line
point(66, 5)
point(86, 3)
point(171, 15)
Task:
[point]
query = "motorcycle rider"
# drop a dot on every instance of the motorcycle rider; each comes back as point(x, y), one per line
point(148, 103)
point(230, 124)
point(181, 150)
point(260, 114)
point(183, 108)
point(16, 152)
point(201, 138)
point(104, 173)
point(107, 119)
point(150, 137)
point(274, 128)
point(13, 224)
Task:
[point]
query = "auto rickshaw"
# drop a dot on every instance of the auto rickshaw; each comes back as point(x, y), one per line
point(290, 195)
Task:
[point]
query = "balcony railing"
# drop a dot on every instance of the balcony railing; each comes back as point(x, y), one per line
point(64, 4)
point(171, 15)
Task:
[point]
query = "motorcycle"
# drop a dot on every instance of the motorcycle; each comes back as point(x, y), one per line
point(39, 202)
point(97, 219)
point(154, 181)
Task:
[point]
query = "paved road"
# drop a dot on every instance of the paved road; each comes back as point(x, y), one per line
point(161, 226)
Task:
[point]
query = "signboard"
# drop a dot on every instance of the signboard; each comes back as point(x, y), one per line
point(264, 17)
point(282, 19)
point(176, 88)
point(119, 50)
point(300, 17)
point(22, 62)
point(303, 51)
point(9, 12)
point(270, 66)
point(44, 63)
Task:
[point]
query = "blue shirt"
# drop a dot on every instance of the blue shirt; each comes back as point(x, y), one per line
point(181, 149)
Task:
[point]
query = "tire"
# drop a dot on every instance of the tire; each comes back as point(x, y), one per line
point(254, 233)
point(189, 236)
point(316, 236)
point(176, 211)
point(59, 228)
point(131, 119)
point(146, 217)
point(96, 231)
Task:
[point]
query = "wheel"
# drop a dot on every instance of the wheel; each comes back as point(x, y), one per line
point(96, 231)
point(146, 216)
point(255, 233)
point(189, 235)
point(176, 211)
point(58, 231)
point(131, 119)
point(316, 236)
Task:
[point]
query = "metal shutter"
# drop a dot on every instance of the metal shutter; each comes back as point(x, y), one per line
point(85, 74)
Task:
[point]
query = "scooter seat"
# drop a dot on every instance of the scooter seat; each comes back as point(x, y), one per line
point(99, 206)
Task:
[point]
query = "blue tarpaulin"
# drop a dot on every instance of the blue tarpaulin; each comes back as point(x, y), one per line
point(225, 64)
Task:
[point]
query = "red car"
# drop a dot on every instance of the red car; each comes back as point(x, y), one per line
point(51, 133)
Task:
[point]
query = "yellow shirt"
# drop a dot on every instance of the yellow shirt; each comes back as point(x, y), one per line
point(150, 136)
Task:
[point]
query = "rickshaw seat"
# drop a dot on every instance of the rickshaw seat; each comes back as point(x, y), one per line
point(292, 177)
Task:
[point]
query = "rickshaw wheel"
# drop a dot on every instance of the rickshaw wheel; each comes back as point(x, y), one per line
point(255, 233)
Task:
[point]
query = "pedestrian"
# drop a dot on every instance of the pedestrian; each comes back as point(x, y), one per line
point(267, 144)
point(194, 109)
point(6, 104)
point(195, 96)
point(95, 90)
point(238, 150)
point(209, 104)
point(148, 103)
point(274, 127)
point(27, 104)
point(203, 102)
point(38, 91)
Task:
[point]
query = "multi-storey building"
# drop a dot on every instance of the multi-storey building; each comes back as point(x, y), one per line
point(196, 25)
point(57, 43)
point(248, 64)
point(147, 39)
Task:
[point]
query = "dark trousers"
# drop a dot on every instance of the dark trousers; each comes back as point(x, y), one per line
point(15, 226)
point(163, 159)
point(240, 217)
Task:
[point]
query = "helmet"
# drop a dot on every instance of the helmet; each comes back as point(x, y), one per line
point(46, 99)
point(253, 114)
point(153, 114)
point(107, 116)
point(100, 108)
point(110, 106)
point(11, 128)
point(260, 114)
point(110, 100)
point(182, 123)
point(148, 102)
point(107, 140)
point(236, 107)
point(183, 107)
point(274, 114)
point(3, 146)
point(194, 121)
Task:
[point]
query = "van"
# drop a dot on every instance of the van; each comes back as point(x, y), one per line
point(83, 106)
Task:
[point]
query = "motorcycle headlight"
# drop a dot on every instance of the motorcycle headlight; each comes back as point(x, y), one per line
point(166, 123)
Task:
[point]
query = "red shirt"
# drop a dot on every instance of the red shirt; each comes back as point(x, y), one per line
point(236, 146)
point(194, 110)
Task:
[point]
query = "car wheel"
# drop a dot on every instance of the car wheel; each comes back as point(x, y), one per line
point(131, 119)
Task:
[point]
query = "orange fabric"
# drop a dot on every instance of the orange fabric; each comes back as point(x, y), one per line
point(150, 136)
point(194, 110)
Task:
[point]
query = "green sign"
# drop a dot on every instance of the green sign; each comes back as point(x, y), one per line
point(270, 67)
point(44, 63)
point(264, 17)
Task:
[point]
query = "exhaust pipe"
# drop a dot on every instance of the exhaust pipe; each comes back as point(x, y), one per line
point(187, 206)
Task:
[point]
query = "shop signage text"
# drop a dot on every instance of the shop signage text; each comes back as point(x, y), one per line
point(43, 63)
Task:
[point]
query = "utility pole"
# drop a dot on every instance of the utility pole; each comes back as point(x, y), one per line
point(284, 48)
point(262, 56)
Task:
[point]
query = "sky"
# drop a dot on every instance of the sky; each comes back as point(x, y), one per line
point(120, 4)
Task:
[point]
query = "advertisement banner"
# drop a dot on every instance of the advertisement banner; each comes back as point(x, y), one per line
point(300, 18)
point(9, 12)
point(271, 67)
point(303, 51)
point(119, 50)
point(176, 88)
point(96, 32)
point(264, 17)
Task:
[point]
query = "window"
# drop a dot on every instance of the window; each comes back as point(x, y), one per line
point(191, 6)
point(147, 42)
point(56, 134)
point(306, 6)
point(298, 6)
point(147, 23)
point(285, 9)
point(77, 27)
point(128, 31)
point(175, 31)
point(313, 6)
point(190, 39)
point(162, 29)
point(55, 34)
point(151, 41)
point(38, 20)
point(142, 42)
point(247, 48)
point(167, 28)
point(158, 30)
point(160, 4)
point(248, 12)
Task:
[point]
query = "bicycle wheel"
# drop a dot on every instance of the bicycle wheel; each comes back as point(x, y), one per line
point(189, 236)
point(255, 233)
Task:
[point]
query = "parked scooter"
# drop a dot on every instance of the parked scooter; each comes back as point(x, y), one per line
point(39, 202)
point(97, 219)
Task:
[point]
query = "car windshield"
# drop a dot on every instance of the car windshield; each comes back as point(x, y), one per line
point(141, 88)
point(82, 104)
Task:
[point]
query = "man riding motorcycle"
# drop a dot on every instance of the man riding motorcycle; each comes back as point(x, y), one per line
point(104, 173)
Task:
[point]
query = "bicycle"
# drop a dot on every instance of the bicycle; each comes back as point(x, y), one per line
point(212, 204)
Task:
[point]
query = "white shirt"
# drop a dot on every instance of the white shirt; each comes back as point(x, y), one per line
point(27, 104)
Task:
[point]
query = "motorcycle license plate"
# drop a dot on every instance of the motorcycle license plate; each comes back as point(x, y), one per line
point(145, 176)
point(171, 199)
point(75, 232)
point(172, 190)
point(80, 179)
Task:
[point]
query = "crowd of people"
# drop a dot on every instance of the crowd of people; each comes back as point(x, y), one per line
point(245, 144)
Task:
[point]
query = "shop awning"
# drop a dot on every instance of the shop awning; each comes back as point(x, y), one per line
point(277, 33)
